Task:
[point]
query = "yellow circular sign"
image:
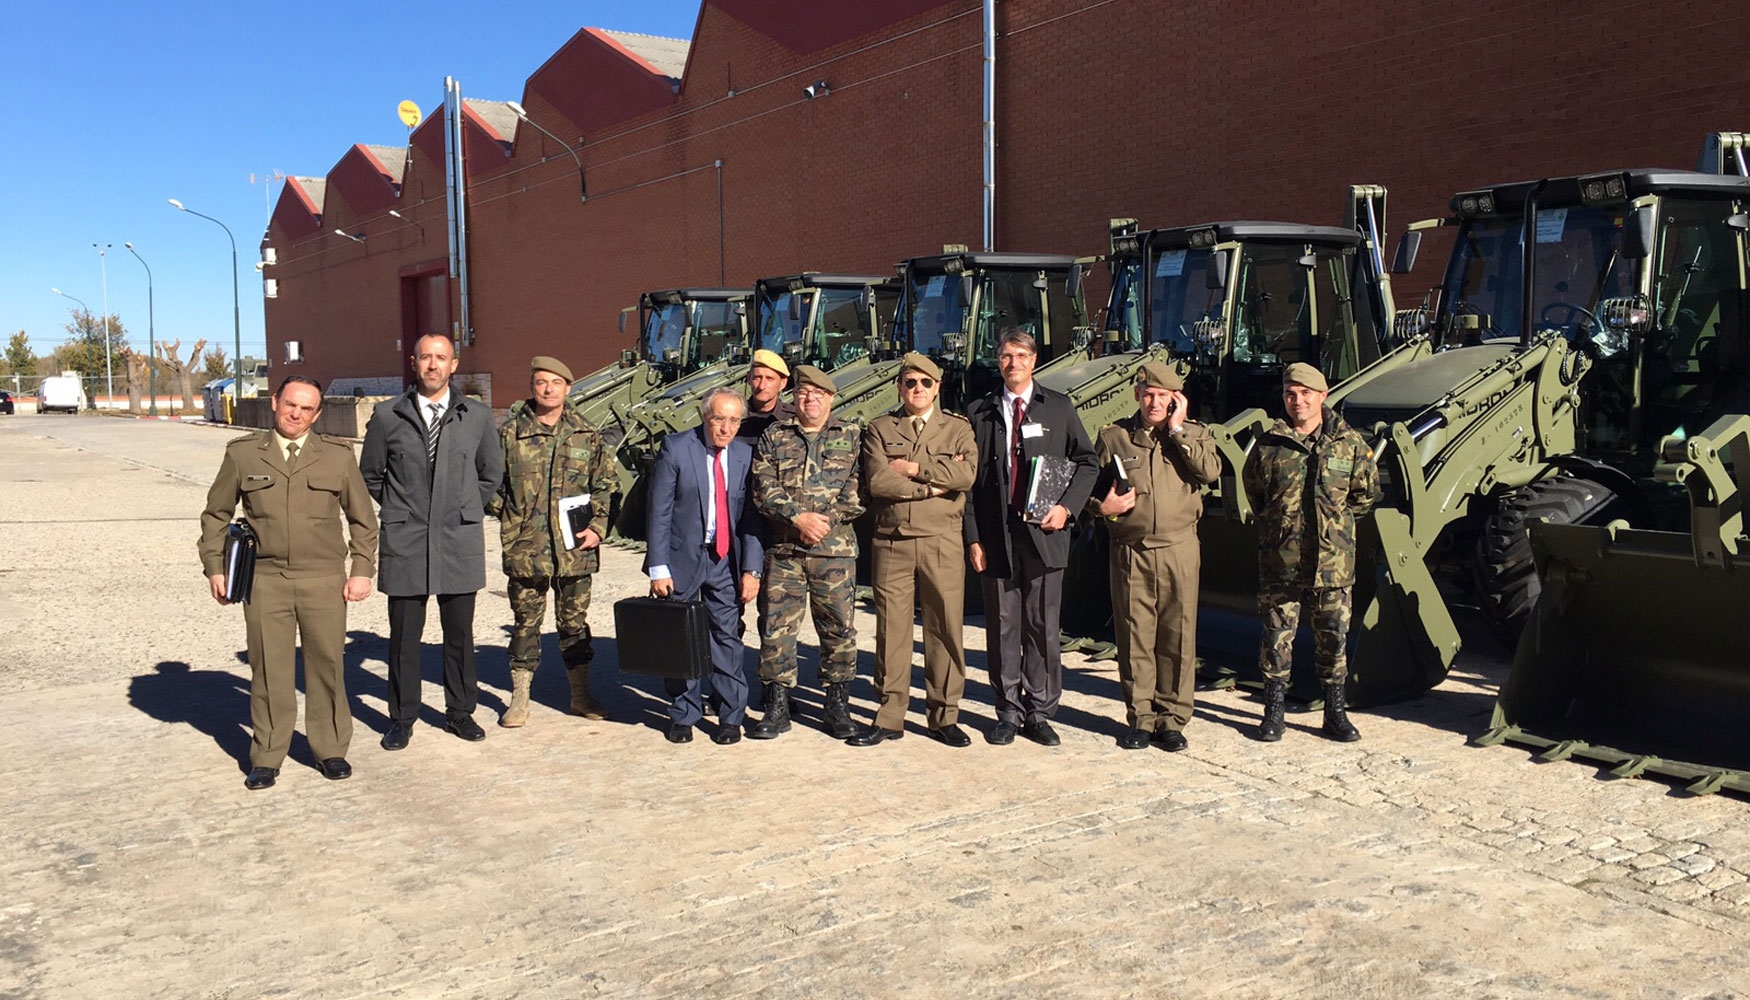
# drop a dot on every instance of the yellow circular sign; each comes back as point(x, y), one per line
point(409, 113)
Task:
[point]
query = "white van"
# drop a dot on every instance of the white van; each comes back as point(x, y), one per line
point(60, 392)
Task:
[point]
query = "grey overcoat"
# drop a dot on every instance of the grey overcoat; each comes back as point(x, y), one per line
point(432, 539)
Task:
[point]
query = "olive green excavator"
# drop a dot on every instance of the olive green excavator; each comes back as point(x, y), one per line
point(836, 322)
point(1558, 373)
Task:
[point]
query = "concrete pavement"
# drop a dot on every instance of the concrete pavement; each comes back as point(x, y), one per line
point(577, 858)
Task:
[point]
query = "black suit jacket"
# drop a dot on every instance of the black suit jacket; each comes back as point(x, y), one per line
point(987, 506)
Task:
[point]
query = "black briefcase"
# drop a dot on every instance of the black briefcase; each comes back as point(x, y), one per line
point(663, 638)
point(240, 546)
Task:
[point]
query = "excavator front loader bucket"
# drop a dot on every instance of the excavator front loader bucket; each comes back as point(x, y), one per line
point(1633, 658)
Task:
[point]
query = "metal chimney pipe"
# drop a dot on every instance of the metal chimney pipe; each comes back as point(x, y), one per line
point(990, 124)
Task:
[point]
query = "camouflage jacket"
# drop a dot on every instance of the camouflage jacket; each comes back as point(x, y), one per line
point(1306, 494)
point(795, 473)
point(542, 465)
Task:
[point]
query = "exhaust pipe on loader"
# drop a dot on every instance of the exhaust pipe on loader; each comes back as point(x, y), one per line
point(1631, 657)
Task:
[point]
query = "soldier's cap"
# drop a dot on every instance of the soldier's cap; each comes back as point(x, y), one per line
point(1160, 375)
point(771, 359)
point(1301, 373)
point(916, 362)
point(810, 375)
point(542, 363)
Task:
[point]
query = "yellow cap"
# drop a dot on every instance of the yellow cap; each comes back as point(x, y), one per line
point(771, 359)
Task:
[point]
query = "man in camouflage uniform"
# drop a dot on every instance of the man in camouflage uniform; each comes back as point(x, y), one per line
point(1307, 477)
point(1155, 555)
point(806, 485)
point(550, 453)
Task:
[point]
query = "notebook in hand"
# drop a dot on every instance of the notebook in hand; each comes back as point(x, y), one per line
point(575, 513)
point(1048, 481)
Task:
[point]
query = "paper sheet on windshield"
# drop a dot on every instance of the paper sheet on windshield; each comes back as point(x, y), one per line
point(1171, 264)
point(1550, 224)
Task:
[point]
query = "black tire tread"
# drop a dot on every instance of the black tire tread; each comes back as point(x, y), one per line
point(1505, 574)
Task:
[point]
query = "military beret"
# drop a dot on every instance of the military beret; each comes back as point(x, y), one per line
point(542, 363)
point(771, 359)
point(1160, 375)
point(1301, 373)
point(810, 375)
point(921, 363)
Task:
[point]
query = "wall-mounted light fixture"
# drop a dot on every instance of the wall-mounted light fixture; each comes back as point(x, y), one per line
point(582, 187)
point(355, 237)
point(817, 89)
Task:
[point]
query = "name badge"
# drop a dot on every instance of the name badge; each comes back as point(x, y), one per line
point(1342, 465)
point(1032, 430)
point(259, 479)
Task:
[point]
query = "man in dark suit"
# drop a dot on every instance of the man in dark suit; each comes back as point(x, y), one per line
point(433, 460)
point(1023, 562)
point(704, 545)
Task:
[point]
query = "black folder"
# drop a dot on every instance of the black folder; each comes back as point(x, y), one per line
point(659, 637)
point(240, 546)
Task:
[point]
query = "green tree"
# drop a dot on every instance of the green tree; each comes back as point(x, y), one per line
point(83, 352)
point(217, 366)
point(20, 359)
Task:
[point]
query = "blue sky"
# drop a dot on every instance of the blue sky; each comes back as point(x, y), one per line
point(117, 107)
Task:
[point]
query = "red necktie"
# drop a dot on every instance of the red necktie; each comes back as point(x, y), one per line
point(722, 492)
point(1017, 491)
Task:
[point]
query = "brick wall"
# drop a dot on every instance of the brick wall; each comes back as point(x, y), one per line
point(1171, 113)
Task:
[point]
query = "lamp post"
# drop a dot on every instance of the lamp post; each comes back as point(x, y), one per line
point(75, 298)
point(108, 365)
point(582, 187)
point(236, 309)
point(151, 335)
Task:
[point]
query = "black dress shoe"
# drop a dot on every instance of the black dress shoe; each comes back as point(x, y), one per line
point(1133, 739)
point(260, 777)
point(953, 735)
point(678, 733)
point(465, 727)
point(1001, 734)
point(873, 735)
point(335, 768)
point(397, 736)
point(725, 735)
point(1171, 740)
point(1040, 732)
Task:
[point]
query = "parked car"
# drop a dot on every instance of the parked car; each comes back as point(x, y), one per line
point(60, 392)
point(6, 404)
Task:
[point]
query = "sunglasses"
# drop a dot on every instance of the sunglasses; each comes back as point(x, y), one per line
point(913, 383)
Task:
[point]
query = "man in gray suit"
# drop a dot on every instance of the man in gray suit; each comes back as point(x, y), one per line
point(433, 460)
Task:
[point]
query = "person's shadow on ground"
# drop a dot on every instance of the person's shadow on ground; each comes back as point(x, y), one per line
point(214, 702)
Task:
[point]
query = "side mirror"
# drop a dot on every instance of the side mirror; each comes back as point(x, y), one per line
point(1638, 236)
point(1072, 286)
point(1218, 264)
point(622, 321)
point(1308, 260)
point(795, 308)
point(965, 288)
point(1740, 221)
point(1405, 261)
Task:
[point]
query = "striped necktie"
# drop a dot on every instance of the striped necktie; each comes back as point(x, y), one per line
point(431, 433)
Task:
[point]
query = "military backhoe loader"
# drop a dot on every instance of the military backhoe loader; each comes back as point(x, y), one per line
point(1558, 372)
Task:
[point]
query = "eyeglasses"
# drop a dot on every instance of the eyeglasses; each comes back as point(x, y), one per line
point(913, 383)
point(808, 391)
point(723, 420)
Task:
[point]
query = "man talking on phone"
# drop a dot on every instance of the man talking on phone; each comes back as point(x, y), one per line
point(1152, 466)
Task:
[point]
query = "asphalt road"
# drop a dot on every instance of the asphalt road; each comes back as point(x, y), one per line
point(592, 858)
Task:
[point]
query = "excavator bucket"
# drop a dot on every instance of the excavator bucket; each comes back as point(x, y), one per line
point(1633, 656)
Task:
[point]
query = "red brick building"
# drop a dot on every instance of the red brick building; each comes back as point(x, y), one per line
point(707, 162)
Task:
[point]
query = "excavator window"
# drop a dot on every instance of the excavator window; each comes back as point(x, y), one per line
point(1009, 299)
point(1274, 326)
point(1124, 314)
point(1695, 358)
point(775, 327)
point(841, 330)
point(716, 331)
point(1179, 297)
point(665, 327)
point(933, 308)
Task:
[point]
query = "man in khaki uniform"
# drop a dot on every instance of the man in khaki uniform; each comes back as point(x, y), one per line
point(551, 455)
point(295, 488)
point(918, 463)
point(1155, 559)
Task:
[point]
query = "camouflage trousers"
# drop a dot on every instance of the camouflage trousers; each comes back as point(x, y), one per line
point(827, 585)
point(1280, 607)
point(528, 601)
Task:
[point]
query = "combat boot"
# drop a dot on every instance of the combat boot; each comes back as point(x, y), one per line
point(777, 717)
point(1337, 725)
point(1270, 730)
point(518, 713)
point(838, 711)
point(581, 702)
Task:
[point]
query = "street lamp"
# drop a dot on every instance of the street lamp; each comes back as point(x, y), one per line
point(236, 309)
point(75, 298)
point(414, 222)
point(151, 335)
point(582, 187)
point(356, 238)
point(108, 365)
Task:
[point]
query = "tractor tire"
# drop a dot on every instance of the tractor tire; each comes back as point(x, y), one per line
point(1504, 572)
